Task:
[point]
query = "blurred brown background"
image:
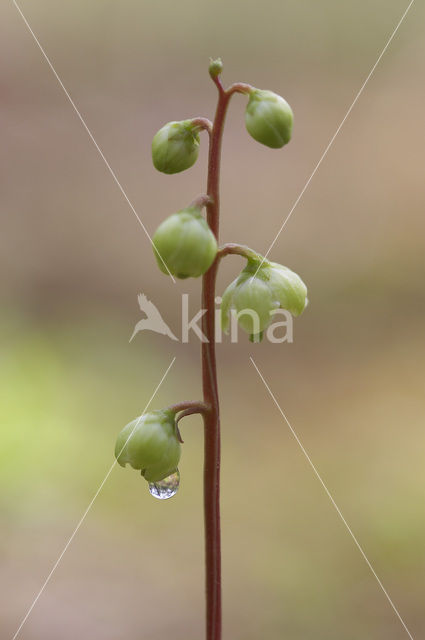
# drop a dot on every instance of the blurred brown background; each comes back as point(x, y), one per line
point(73, 259)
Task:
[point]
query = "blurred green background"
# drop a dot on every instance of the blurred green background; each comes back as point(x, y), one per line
point(73, 259)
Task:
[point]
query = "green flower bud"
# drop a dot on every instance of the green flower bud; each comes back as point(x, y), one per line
point(255, 295)
point(185, 243)
point(150, 443)
point(269, 118)
point(287, 288)
point(175, 147)
point(251, 298)
point(216, 67)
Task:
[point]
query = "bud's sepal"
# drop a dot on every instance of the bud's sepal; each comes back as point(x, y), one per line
point(175, 147)
point(269, 118)
point(185, 243)
point(150, 444)
point(260, 289)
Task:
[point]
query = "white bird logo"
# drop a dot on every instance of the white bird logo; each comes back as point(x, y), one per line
point(153, 320)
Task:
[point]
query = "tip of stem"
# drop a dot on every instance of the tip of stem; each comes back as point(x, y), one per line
point(215, 68)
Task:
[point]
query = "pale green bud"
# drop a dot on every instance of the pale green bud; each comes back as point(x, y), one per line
point(251, 299)
point(175, 147)
point(216, 67)
point(269, 118)
point(185, 243)
point(287, 288)
point(257, 292)
point(150, 443)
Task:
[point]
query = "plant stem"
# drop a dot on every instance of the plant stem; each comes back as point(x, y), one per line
point(194, 405)
point(200, 201)
point(188, 409)
point(202, 123)
point(231, 248)
point(210, 389)
point(240, 87)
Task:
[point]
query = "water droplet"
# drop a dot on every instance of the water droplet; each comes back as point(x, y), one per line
point(166, 488)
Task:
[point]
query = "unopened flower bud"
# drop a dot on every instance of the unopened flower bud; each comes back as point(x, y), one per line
point(287, 288)
point(150, 443)
point(175, 147)
point(269, 118)
point(260, 290)
point(250, 297)
point(185, 243)
point(216, 67)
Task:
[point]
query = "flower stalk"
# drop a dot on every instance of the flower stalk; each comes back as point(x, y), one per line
point(232, 248)
point(210, 388)
point(186, 245)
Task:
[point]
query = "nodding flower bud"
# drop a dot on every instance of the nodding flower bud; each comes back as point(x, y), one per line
point(254, 295)
point(269, 118)
point(150, 443)
point(175, 147)
point(185, 243)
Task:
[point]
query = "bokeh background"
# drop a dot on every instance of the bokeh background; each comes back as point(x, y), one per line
point(73, 258)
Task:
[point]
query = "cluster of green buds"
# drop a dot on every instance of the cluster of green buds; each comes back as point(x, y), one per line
point(268, 118)
point(185, 247)
point(260, 289)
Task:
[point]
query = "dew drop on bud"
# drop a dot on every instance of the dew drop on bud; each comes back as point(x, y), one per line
point(166, 488)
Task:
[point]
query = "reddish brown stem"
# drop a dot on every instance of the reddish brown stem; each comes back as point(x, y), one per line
point(196, 406)
point(190, 412)
point(231, 248)
point(240, 87)
point(203, 123)
point(184, 414)
point(210, 389)
point(189, 408)
point(200, 201)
